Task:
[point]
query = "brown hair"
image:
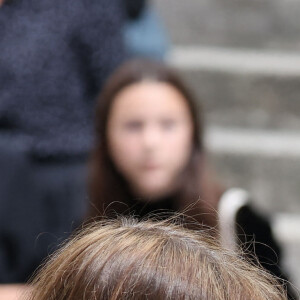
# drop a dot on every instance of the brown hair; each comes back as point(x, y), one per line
point(109, 189)
point(126, 259)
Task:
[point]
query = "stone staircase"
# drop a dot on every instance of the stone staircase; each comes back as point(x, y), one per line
point(250, 24)
point(242, 60)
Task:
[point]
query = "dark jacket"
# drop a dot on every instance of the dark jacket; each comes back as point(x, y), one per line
point(54, 58)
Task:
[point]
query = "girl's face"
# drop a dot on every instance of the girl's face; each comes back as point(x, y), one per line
point(150, 137)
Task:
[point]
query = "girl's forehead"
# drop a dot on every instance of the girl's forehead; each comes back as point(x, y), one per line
point(148, 96)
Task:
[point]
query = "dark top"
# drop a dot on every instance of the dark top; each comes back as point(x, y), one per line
point(54, 58)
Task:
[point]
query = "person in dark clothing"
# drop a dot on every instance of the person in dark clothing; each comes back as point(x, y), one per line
point(54, 58)
point(149, 157)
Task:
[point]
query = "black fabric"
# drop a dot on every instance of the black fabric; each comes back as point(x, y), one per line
point(255, 235)
point(161, 208)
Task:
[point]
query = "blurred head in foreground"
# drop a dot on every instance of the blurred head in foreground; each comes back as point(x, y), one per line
point(126, 259)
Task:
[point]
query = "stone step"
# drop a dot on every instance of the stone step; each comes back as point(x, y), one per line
point(233, 60)
point(267, 24)
point(243, 88)
point(267, 164)
point(271, 143)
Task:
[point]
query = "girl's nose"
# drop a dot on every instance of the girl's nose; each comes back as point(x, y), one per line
point(151, 137)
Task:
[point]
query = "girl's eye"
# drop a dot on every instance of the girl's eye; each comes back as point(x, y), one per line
point(168, 124)
point(133, 125)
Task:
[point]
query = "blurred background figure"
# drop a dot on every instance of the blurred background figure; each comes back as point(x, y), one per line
point(129, 260)
point(54, 58)
point(150, 157)
point(144, 32)
point(242, 59)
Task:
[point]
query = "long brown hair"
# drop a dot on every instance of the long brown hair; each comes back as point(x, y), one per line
point(129, 260)
point(197, 195)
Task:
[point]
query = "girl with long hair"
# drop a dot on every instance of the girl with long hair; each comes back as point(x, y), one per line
point(133, 168)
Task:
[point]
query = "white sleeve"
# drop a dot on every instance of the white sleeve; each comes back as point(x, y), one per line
point(230, 203)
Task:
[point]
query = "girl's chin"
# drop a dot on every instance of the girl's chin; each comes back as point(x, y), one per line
point(153, 192)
